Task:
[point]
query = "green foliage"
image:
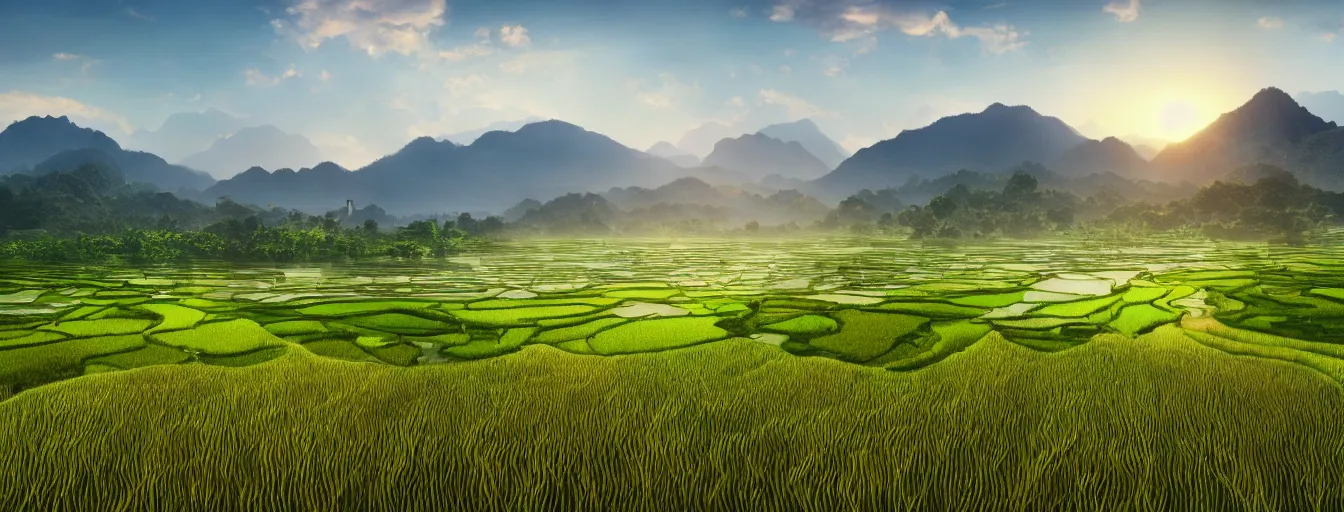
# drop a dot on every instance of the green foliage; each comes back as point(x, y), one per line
point(1019, 210)
point(1275, 207)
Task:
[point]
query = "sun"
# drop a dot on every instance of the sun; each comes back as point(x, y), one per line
point(1177, 120)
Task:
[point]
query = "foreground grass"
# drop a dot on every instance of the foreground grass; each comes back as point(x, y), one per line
point(1158, 423)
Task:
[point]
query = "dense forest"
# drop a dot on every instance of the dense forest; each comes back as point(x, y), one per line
point(90, 213)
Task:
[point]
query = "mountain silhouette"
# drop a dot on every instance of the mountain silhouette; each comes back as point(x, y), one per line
point(26, 143)
point(467, 137)
point(1317, 159)
point(993, 140)
point(1101, 156)
point(541, 161)
point(307, 188)
point(807, 133)
point(667, 151)
point(259, 146)
point(1269, 122)
point(51, 144)
point(701, 140)
point(186, 133)
point(759, 156)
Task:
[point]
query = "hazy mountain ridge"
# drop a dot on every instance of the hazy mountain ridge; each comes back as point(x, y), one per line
point(997, 138)
point(810, 136)
point(700, 141)
point(759, 156)
point(466, 138)
point(545, 159)
point(1101, 156)
point(186, 133)
point(666, 151)
point(258, 146)
point(29, 145)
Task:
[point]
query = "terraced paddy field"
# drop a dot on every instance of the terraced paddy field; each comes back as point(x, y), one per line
point(823, 374)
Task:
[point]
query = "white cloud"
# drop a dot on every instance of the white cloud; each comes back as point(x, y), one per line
point(835, 70)
point(863, 21)
point(514, 66)
point(785, 70)
point(345, 150)
point(325, 75)
point(515, 36)
point(797, 107)
point(846, 21)
point(534, 60)
point(739, 12)
point(1125, 11)
point(781, 13)
point(255, 78)
point(666, 95)
point(735, 101)
point(483, 33)
point(466, 52)
point(376, 27)
point(18, 105)
point(67, 56)
point(1269, 23)
point(457, 85)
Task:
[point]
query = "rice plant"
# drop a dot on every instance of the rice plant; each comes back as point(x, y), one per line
point(1157, 423)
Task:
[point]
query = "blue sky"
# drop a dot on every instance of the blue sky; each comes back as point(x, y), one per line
point(369, 75)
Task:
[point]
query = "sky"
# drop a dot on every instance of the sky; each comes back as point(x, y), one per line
point(368, 76)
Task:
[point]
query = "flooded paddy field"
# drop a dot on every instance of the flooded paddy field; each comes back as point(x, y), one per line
point(809, 374)
point(896, 305)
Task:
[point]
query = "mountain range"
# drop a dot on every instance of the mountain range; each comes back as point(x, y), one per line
point(758, 156)
point(540, 160)
point(806, 133)
point(549, 159)
point(258, 146)
point(995, 139)
point(185, 133)
point(467, 137)
point(42, 144)
point(667, 151)
point(1267, 125)
point(700, 141)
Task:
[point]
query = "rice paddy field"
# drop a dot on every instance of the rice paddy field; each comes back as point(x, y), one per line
point(806, 374)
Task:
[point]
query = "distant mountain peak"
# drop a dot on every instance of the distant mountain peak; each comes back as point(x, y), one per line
point(423, 140)
point(1273, 94)
point(550, 125)
point(1271, 121)
point(999, 108)
point(806, 133)
point(758, 155)
point(328, 167)
point(993, 140)
point(664, 147)
point(262, 145)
